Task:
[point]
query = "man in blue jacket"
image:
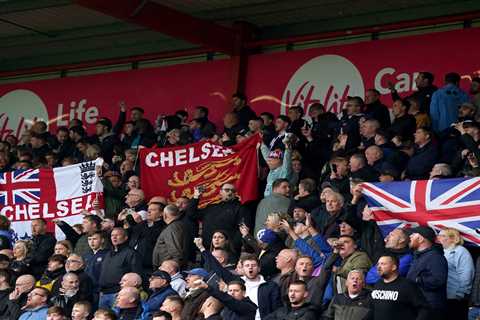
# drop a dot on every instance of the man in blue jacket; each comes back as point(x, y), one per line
point(161, 289)
point(429, 269)
point(396, 243)
point(446, 101)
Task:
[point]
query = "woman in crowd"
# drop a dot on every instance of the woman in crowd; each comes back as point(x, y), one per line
point(460, 273)
point(21, 250)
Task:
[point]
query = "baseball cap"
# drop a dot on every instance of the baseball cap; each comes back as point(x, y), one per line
point(266, 236)
point(199, 272)
point(425, 232)
point(162, 274)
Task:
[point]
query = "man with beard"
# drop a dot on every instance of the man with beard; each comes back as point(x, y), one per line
point(225, 215)
point(429, 269)
point(355, 303)
point(298, 307)
point(396, 243)
point(68, 293)
point(396, 298)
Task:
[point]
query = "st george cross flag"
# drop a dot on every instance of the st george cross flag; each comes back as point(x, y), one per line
point(48, 193)
point(441, 203)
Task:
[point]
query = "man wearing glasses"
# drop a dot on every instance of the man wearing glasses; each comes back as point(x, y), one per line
point(225, 215)
point(36, 307)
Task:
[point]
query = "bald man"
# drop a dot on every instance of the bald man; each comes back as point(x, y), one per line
point(133, 280)
point(211, 309)
point(285, 262)
point(18, 297)
point(128, 303)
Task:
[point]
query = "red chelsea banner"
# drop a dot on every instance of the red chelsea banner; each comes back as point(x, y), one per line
point(174, 172)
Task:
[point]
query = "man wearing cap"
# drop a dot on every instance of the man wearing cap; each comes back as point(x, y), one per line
point(161, 289)
point(429, 269)
point(278, 201)
point(196, 295)
point(107, 138)
point(279, 163)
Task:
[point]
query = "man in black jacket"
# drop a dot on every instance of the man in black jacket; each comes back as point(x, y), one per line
point(107, 138)
point(424, 83)
point(68, 293)
point(144, 234)
point(375, 109)
point(298, 307)
point(120, 260)
point(42, 248)
point(265, 294)
point(236, 305)
point(225, 215)
point(240, 107)
point(355, 303)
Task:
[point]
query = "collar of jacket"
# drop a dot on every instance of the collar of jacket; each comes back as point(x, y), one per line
point(120, 246)
point(419, 253)
point(362, 294)
point(399, 252)
point(106, 135)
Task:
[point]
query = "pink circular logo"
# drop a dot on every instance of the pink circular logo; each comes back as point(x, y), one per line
point(326, 79)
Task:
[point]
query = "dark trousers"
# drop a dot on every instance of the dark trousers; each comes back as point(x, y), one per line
point(457, 309)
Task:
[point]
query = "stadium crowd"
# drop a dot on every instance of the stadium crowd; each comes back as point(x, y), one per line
point(308, 249)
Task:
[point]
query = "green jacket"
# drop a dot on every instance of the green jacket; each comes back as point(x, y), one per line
point(358, 260)
point(114, 199)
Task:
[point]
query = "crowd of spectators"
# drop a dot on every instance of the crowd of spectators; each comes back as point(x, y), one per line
point(309, 248)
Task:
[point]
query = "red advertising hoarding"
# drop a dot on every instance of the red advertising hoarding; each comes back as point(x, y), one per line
point(157, 90)
point(328, 75)
point(274, 81)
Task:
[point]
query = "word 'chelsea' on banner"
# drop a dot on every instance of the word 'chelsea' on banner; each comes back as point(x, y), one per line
point(439, 204)
point(175, 172)
point(58, 193)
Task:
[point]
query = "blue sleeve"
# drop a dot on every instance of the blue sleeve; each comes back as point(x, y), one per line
point(466, 271)
point(434, 110)
point(404, 264)
point(328, 294)
point(307, 250)
point(372, 276)
point(322, 243)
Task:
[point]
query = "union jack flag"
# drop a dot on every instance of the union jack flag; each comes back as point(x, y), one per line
point(443, 203)
point(19, 187)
